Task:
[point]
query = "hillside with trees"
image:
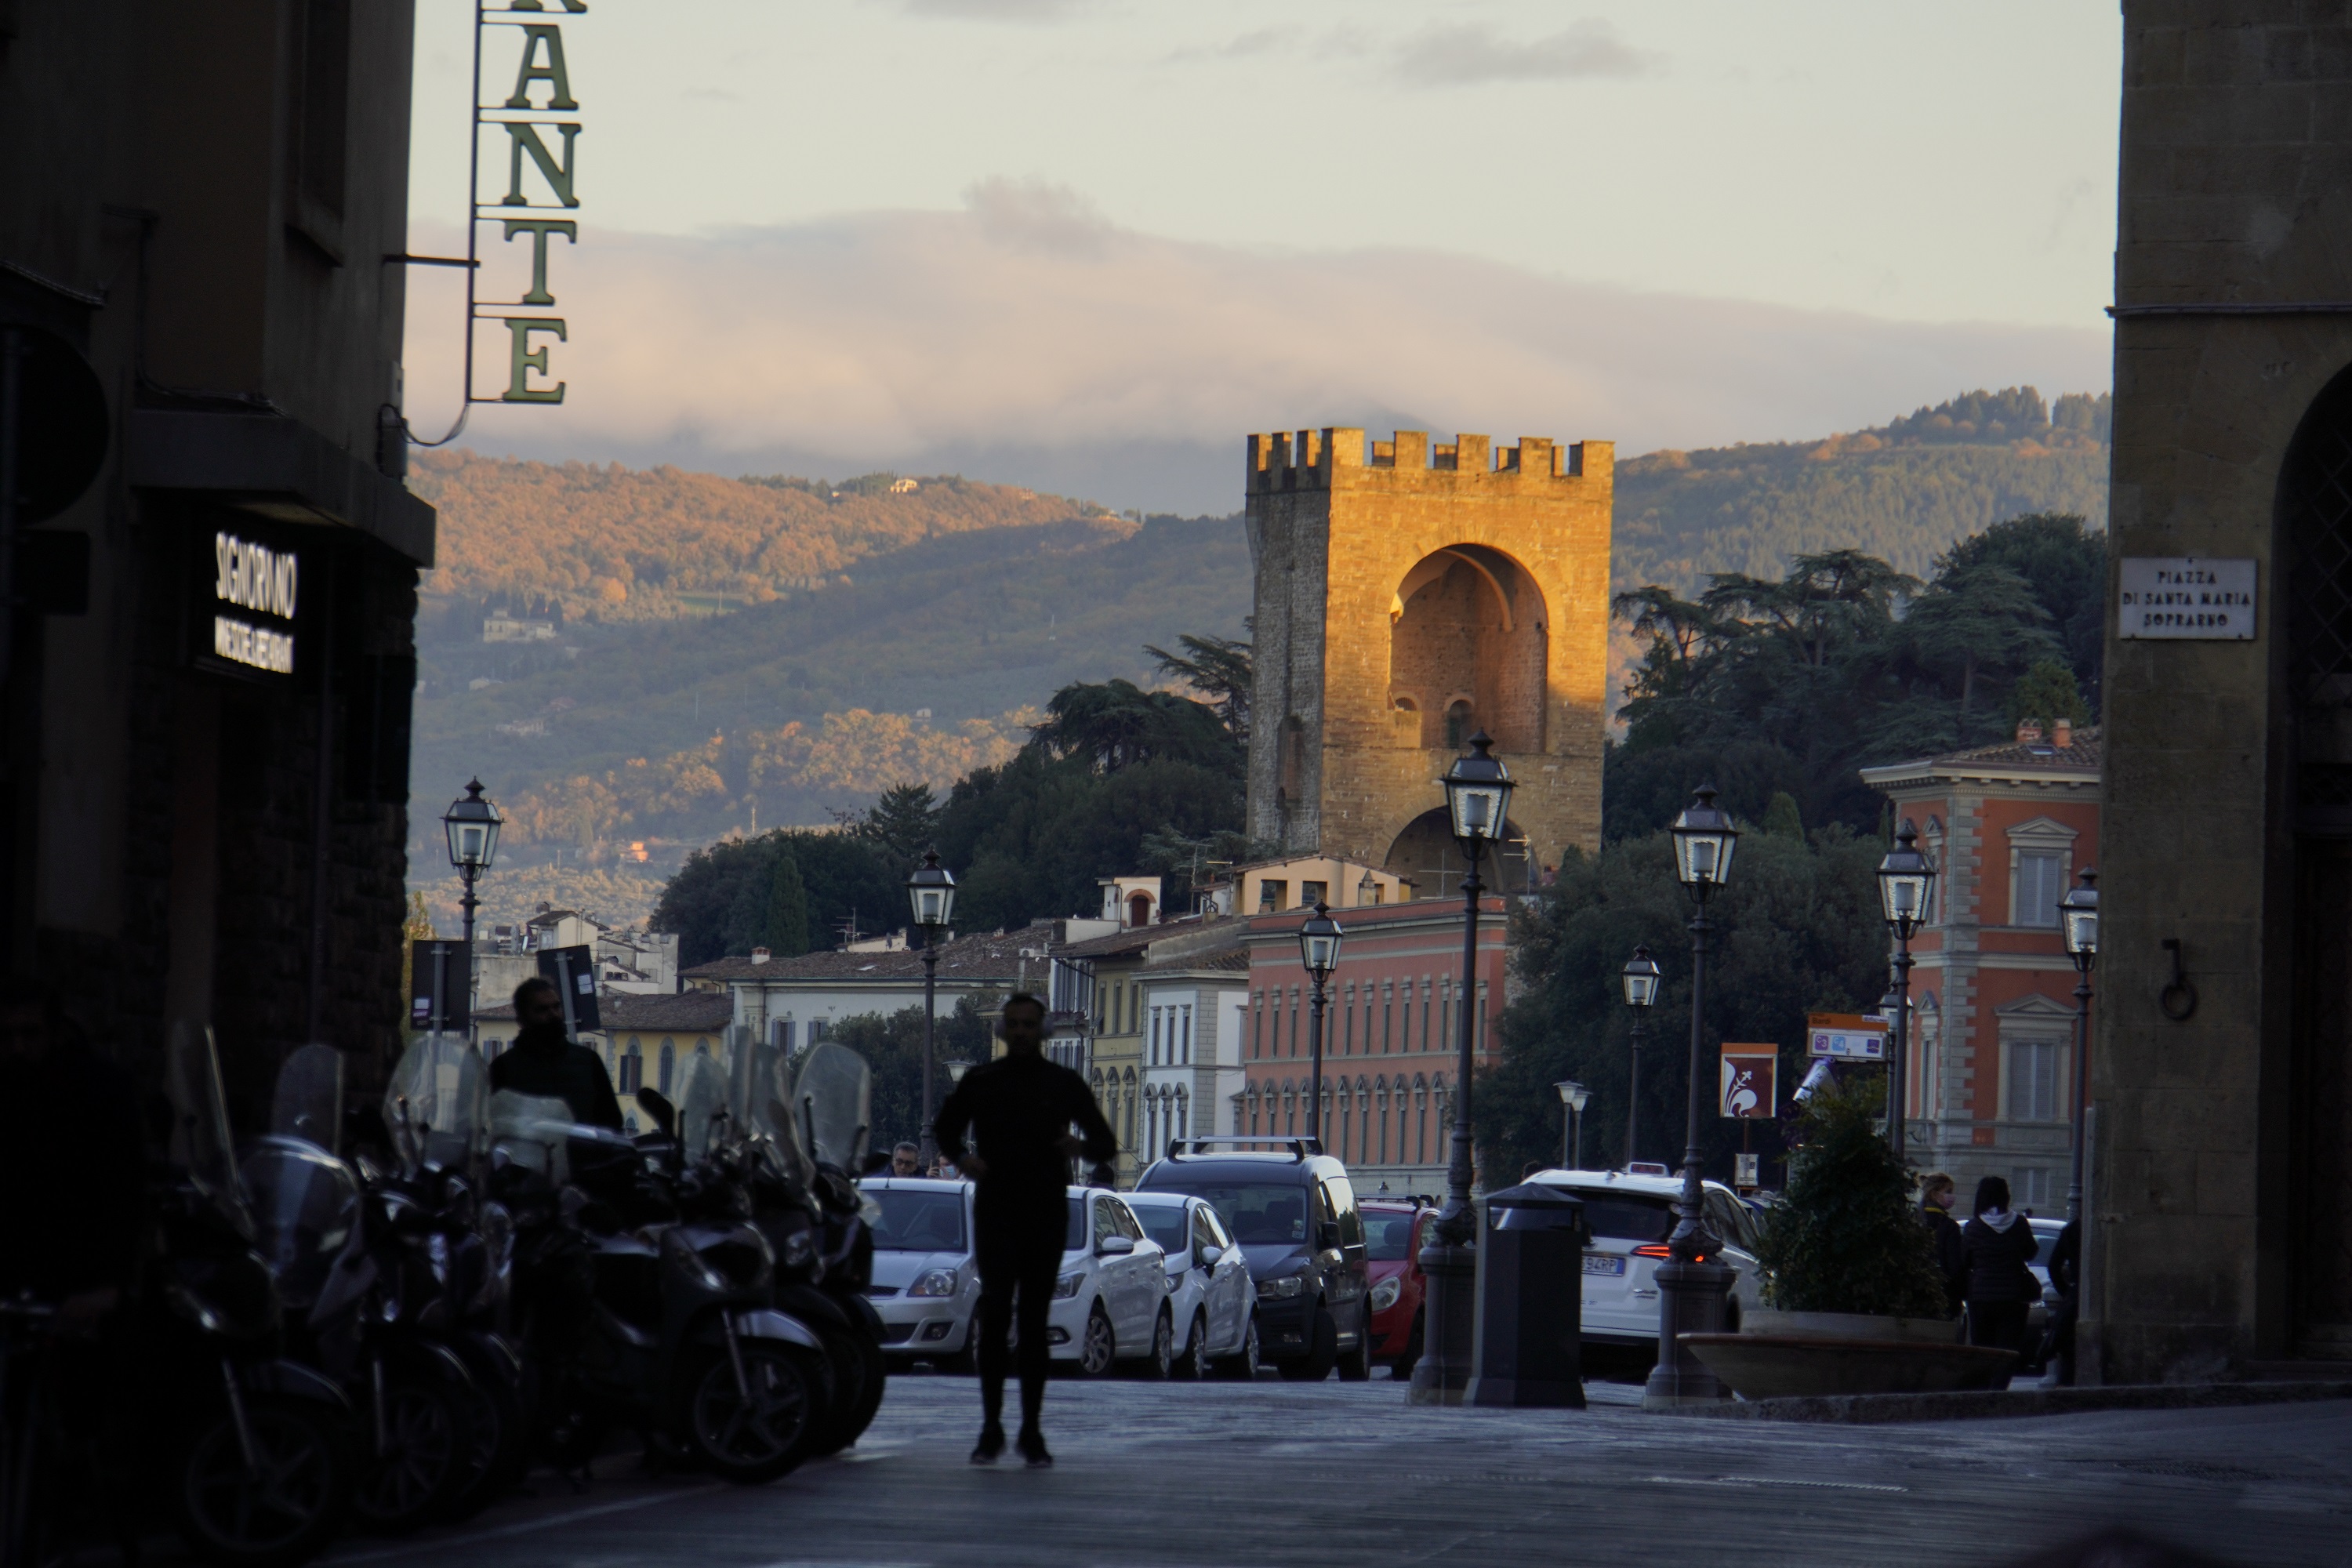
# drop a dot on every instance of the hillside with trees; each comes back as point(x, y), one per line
point(730, 655)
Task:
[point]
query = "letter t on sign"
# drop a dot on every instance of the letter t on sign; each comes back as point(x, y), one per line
point(525, 358)
point(540, 229)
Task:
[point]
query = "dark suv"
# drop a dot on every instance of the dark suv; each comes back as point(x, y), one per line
point(1290, 1206)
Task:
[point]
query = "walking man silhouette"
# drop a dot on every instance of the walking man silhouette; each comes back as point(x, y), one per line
point(1018, 1110)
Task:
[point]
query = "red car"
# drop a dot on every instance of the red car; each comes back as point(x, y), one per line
point(1392, 1242)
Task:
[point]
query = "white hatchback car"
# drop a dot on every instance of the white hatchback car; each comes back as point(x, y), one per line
point(1110, 1303)
point(1210, 1296)
point(1629, 1217)
point(925, 1285)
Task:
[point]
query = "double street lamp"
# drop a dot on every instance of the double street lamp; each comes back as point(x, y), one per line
point(1478, 801)
point(931, 892)
point(1572, 1098)
point(1906, 878)
point(1691, 1287)
point(1641, 991)
point(472, 824)
point(2078, 917)
point(1318, 950)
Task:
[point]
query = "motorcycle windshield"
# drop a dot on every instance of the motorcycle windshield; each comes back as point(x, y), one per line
point(536, 1131)
point(200, 1142)
point(304, 1204)
point(834, 1093)
point(308, 1103)
point(702, 1108)
point(771, 1118)
point(437, 1103)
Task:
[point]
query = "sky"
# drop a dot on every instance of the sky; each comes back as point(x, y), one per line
point(1089, 246)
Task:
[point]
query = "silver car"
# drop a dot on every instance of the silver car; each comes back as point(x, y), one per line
point(926, 1284)
point(1211, 1295)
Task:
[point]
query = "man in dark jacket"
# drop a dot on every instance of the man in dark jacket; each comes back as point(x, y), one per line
point(1019, 1110)
point(1937, 1194)
point(542, 1061)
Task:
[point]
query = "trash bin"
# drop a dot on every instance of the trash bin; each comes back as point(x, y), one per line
point(1528, 1351)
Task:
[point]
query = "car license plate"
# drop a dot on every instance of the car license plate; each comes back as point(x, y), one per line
point(1604, 1263)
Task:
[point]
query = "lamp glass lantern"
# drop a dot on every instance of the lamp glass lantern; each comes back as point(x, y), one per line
point(1703, 842)
point(2078, 915)
point(472, 824)
point(1905, 877)
point(1640, 979)
point(1318, 943)
point(1478, 793)
point(931, 891)
point(1573, 1095)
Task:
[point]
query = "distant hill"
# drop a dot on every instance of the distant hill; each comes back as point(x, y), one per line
point(1903, 491)
point(730, 648)
point(610, 544)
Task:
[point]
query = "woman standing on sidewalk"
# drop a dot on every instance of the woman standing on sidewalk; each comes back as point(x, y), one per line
point(1997, 1246)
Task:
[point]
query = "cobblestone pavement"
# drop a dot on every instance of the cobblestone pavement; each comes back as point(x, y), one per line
point(1153, 1475)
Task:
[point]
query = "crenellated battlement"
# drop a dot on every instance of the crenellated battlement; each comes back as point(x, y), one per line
point(1311, 459)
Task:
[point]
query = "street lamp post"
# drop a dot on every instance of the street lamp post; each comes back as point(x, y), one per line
point(472, 824)
point(1641, 991)
point(1905, 878)
point(1478, 800)
point(931, 892)
point(1691, 1289)
point(2078, 914)
point(1319, 949)
point(1572, 1098)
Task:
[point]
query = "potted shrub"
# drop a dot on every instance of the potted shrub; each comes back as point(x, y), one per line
point(1853, 1303)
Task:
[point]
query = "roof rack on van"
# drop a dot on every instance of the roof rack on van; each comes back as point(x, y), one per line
point(1297, 1147)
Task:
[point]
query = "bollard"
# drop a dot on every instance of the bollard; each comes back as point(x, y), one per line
point(1528, 1351)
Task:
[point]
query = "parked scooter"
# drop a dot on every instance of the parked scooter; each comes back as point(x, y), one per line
point(384, 1268)
point(815, 1218)
point(676, 1334)
point(256, 1457)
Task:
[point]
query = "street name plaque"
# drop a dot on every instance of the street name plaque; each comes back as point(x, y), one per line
point(2185, 598)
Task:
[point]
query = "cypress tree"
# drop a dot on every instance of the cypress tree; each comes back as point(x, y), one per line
point(786, 921)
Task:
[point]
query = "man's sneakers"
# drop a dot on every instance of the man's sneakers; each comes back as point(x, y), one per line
point(991, 1443)
point(1032, 1445)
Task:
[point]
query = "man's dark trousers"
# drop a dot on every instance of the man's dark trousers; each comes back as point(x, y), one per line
point(1019, 1250)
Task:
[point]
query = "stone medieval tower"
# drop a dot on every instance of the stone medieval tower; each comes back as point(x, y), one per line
point(1406, 598)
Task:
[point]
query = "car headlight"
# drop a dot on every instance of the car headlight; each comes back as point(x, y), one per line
point(1279, 1290)
point(1384, 1294)
point(937, 1282)
point(1068, 1286)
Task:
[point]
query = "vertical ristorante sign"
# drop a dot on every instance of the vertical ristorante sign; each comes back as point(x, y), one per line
point(522, 188)
point(526, 137)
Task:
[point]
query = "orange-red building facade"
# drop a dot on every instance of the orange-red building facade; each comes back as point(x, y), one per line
point(1991, 1056)
point(1390, 1045)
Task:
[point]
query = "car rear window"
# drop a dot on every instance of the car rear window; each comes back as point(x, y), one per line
point(1076, 1238)
point(916, 1221)
point(1164, 1224)
point(1621, 1217)
point(1387, 1236)
point(1258, 1214)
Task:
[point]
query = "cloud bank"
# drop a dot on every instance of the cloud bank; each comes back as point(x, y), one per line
point(1026, 340)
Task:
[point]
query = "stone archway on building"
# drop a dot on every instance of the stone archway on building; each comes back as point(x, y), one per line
point(1468, 646)
point(2314, 519)
point(1426, 855)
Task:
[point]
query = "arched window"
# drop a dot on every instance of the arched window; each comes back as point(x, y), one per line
point(1457, 724)
point(1380, 1099)
point(668, 1064)
point(1138, 909)
point(1183, 1115)
point(633, 1067)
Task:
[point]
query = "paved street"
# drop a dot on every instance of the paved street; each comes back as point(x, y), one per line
point(1278, 1474)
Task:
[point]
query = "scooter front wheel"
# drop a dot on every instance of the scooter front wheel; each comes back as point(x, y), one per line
point(761, 1430)
point(281, 1508)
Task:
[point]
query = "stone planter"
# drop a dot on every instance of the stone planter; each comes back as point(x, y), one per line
point(1781, 1367)
point(1772, 1323)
